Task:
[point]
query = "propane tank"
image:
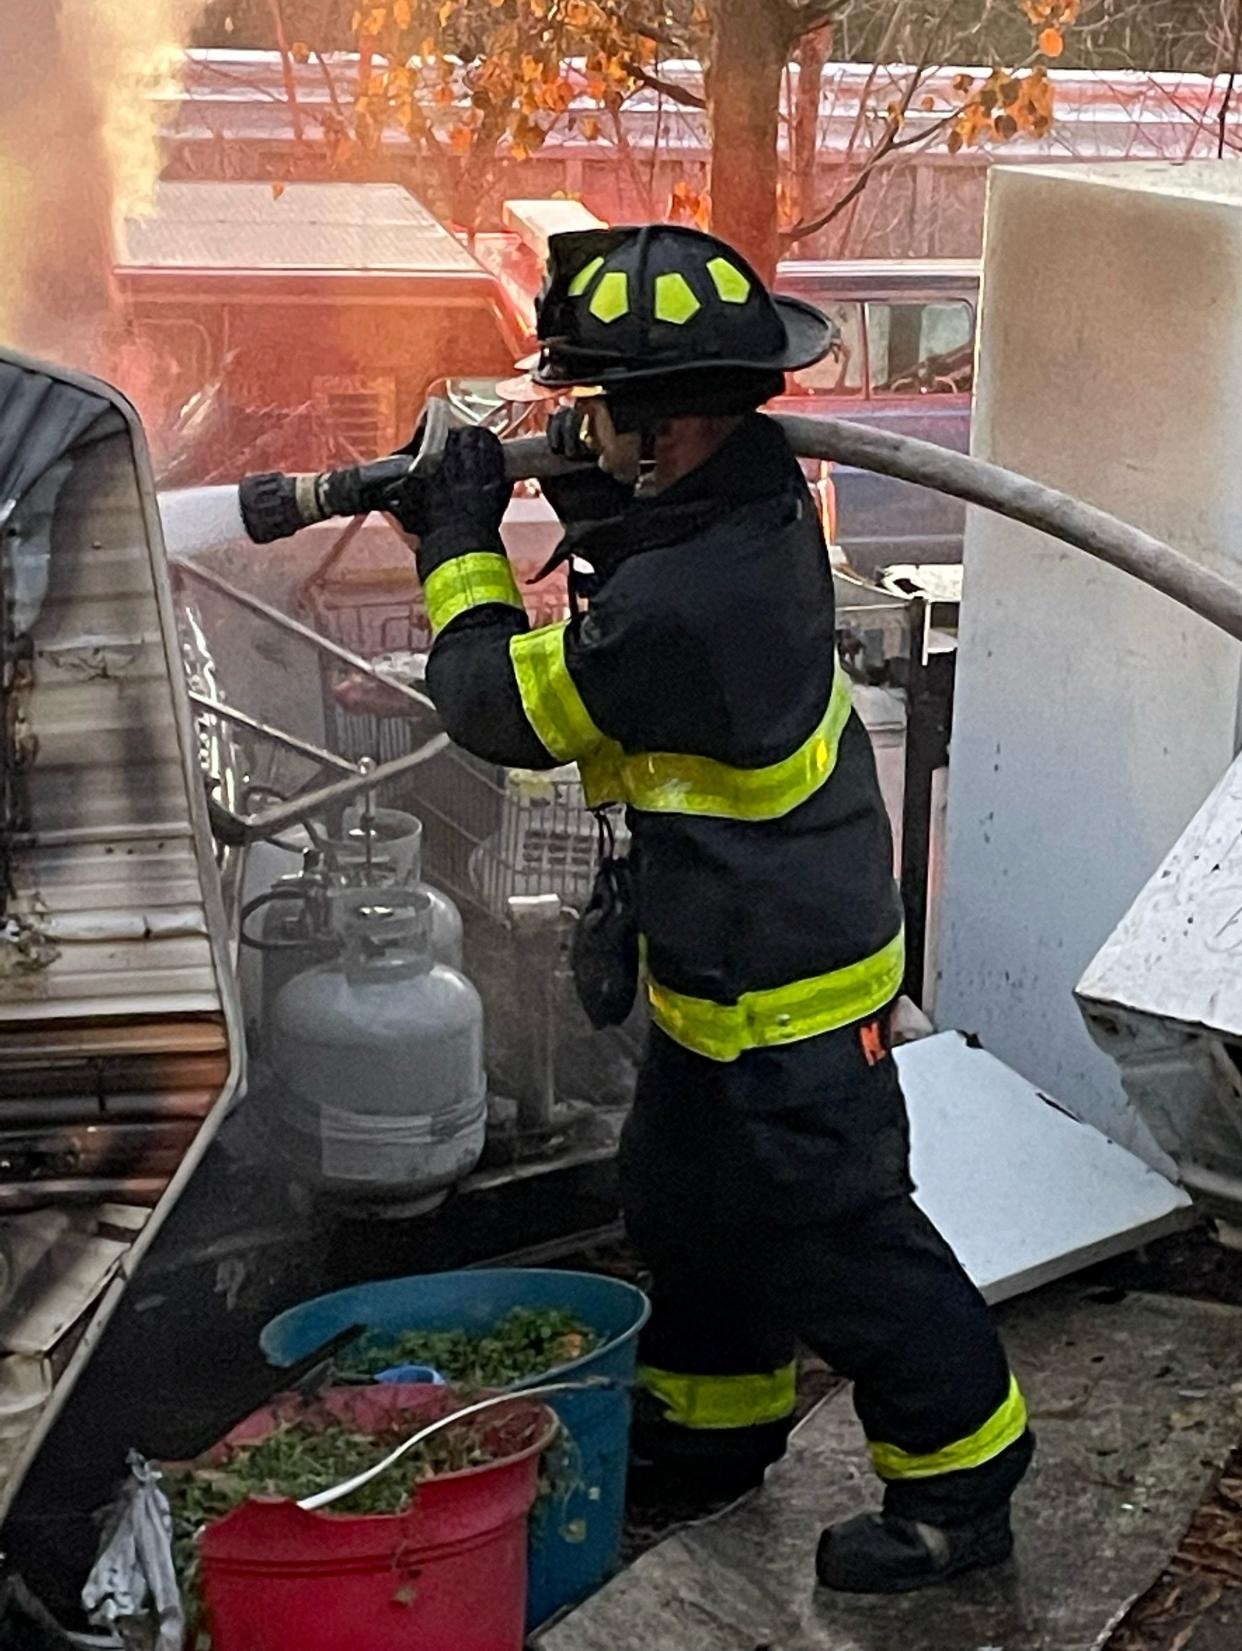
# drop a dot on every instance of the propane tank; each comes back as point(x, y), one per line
point(385, 846)
point(296, 933)
point(266, 865)
point(394, 859)
point(382, 1094)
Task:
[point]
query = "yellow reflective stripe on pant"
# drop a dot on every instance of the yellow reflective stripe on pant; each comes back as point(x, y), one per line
point(1003, 1428)
point(469, 582)
point(723, 1401)
point(667, 782)
point(782, 1014)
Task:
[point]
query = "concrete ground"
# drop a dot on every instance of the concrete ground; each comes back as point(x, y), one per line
point(1136, 1401)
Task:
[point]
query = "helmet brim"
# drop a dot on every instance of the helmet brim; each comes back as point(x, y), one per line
point(523, 387)
point(808, 338)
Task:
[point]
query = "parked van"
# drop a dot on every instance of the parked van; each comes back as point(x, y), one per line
point(905, 363)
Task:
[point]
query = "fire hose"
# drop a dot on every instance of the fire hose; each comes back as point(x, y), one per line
point(276, 505)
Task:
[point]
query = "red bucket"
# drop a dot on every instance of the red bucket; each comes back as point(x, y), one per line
point(448, 1574)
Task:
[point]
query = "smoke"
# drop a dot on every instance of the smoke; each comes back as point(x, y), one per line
point(78, 149)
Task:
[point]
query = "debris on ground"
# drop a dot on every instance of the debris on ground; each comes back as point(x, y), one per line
point(1206, 1568)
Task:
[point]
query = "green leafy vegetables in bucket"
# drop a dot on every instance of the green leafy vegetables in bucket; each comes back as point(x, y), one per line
point(525, 1343)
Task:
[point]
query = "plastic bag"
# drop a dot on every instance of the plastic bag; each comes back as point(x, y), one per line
point(132, 1587)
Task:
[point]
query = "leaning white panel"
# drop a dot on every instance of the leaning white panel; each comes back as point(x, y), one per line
point(1163, 996)
point(1023, 1191)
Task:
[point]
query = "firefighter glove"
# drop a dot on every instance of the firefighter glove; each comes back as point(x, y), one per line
point(465, 500)
point(406, 499)
point(567, 436)
point(585, 495)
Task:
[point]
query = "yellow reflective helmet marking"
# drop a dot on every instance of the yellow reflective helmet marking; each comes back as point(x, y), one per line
point(584, 277)
point(732, 286)
point(723, 1401)
point(781, 1014)
point(1003, 1428)
point(611, 298)
point(469, 582)
point(675, 301)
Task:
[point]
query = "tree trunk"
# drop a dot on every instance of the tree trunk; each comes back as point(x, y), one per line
point(750, 46)
point(812, 55)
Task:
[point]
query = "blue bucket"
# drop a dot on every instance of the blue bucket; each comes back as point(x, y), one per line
point(575, 1532)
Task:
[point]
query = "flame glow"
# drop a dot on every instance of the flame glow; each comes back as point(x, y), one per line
point(78, 149)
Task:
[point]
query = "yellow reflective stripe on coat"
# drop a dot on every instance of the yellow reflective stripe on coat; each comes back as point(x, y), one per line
point(469, 582)
point(781, 1014)
point(667, 783)
point(1002, 1429)
point(723, 1401)
point(552, 703)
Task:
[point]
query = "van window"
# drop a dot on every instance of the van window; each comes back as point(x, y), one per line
point(921, 348)
point(841, 372)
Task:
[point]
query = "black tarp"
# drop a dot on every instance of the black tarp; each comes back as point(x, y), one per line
point(40, 419)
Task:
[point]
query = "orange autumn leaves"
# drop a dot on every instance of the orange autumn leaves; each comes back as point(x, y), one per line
point(1002, 107)
point(503, 61)
point(1008, 104)
point(1051, 18)
point(475, 78)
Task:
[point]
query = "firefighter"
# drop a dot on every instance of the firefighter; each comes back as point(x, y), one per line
point(765, 1165)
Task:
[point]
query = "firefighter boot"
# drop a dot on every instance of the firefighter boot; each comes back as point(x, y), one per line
point(704, 1467)
point(878, 1553)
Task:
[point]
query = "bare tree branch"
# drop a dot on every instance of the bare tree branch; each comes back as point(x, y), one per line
point(286, 69)
point(887, 145)
point(625, 150)
point(809, 15)
point(1235, 64)
point(666, 88)
point(330, 84)
point(646, 29)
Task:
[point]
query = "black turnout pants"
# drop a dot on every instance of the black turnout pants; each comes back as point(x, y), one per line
point(771, 1199)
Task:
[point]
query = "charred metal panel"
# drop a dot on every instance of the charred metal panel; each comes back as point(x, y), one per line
point(117, 1022)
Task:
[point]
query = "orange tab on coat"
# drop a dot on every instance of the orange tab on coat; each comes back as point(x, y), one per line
point(874, 1046)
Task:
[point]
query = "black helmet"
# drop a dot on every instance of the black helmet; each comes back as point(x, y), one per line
point(625, 308)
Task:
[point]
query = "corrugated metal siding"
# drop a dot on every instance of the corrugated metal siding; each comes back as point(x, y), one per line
point(118, 1022)
point(320, 226)
point(106, 913)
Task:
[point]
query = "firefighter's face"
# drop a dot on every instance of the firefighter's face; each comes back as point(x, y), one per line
point(619, 455)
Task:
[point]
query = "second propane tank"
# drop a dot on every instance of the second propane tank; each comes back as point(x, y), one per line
point(379, 1053)
point(381, 848)
point(386, 846)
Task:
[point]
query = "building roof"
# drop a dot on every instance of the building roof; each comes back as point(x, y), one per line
point(338, 227)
